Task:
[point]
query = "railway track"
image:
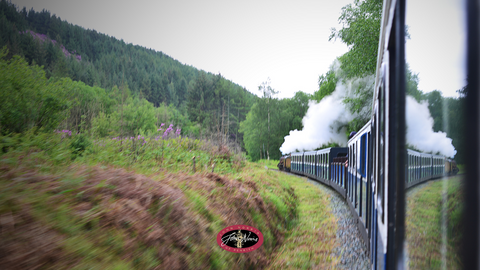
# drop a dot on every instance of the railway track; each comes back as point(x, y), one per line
point(351, 250)
point(352, 243)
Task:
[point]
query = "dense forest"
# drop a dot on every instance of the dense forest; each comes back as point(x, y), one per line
point(116, 75)
point(81, 80)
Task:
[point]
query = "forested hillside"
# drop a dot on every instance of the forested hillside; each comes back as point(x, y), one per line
point(201, 102)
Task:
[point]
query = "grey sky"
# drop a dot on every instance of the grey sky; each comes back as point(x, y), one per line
point(249, 41)
point(437, 45)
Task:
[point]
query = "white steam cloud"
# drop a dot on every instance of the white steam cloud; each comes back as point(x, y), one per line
point(325, 121)
point(420, 130)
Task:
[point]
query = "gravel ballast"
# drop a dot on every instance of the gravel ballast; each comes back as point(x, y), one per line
point(352, 250)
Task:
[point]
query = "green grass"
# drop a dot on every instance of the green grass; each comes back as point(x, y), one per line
point(174, 155)
point(424, 224)
point(271, 164)
point(293, 215)
point(84, 240)
point(313, 235)
point(462, 168)
point(88, 243)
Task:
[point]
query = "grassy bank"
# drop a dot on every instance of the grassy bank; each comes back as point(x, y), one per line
point(429, 218)
point(271, 164)
point(310, 243)
point(71, 202)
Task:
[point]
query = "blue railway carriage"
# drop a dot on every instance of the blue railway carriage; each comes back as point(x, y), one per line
point(426, 166)
point(413, 168)
point(310, 164)
point(329, 171)
point(359, 188)
point(422, 167)
point(438, 167)
point(297, 163)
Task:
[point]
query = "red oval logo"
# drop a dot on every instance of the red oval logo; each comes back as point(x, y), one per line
point(240, 238)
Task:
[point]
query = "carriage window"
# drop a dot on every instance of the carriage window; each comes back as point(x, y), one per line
point(381, 152)
point(363, 155)
point(354, 156)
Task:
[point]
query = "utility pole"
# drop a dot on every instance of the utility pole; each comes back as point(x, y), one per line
point(268, 92)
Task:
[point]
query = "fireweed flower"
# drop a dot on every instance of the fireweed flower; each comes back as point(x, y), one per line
point(64, 132)
point(167, 132)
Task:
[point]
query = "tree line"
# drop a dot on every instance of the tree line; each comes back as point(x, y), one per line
point(202, 102)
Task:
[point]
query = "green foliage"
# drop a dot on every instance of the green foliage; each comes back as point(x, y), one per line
point(360, 103)
point(138, 115)
point(27, 99)
point(86, 103)
point(217, 106)
point(326, 85)
point(412, 85)
point(426, 205)
point(96, 62)
point(448, 115)
point(361, 32)
point(79, 144)
point(105, 125)
point(435, 106)
point(271, 164)
point(313, 216)
point(285, 115)
point(328, 145)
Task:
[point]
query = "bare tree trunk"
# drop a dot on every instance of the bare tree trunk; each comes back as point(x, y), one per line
point(218, 129)
point(238, 126)
point(268, 135)
point(228, 119)
point(223, 125)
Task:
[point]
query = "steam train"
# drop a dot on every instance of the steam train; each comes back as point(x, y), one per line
point(373, 172)
point(349, 170)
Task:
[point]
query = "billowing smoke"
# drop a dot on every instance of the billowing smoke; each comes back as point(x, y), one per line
point(420, 130)
point(325, 121)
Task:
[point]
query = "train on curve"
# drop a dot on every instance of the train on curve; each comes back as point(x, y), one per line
point(349, 171)
point(374, 170)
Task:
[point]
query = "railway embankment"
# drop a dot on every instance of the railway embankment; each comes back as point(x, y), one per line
point(134, 204)
point(351, 249)
point(433, 224)
point(326, 226)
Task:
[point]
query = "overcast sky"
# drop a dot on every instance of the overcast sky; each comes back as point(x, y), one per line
point(250, 41)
